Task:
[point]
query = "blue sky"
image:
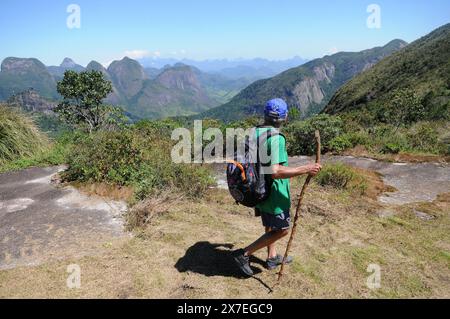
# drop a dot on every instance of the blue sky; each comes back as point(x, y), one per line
point(202, 29)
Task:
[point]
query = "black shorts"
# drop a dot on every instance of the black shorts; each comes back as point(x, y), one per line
point(275, 222)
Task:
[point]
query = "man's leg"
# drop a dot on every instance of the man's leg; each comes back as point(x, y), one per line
point(266, 240)
point(271, 251)
point(273, 233)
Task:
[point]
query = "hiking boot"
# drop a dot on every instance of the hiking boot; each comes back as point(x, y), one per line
point(243, 262)
point(274, 262)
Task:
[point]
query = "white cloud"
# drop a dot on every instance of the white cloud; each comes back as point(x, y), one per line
point(106, 64)
point(333, 50)
point(138, 54)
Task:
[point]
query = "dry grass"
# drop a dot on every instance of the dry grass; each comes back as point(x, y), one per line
point(144, 212)
point(185, 253)
point(110, 191)
point(19, 136)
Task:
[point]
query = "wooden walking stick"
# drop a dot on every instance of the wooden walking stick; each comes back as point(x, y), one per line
point(297, 211)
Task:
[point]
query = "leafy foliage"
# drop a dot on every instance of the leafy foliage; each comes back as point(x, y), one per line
point(340, 143)
point(82, 104)
point(138, 157)
point(341, 176)
point(423, 67)
point(300, 134)
point(404, 108)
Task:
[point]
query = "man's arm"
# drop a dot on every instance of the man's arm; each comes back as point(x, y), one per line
point(283, 172)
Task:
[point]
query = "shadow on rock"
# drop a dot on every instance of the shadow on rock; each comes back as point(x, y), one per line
point(212, 260)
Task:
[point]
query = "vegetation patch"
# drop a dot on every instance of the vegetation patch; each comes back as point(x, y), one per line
point(134, 157)
point(342, 176)
point(19, 136)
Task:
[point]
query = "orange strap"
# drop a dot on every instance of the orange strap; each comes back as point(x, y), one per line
point(239, 165)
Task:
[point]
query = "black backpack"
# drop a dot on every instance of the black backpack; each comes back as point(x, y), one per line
point(246, 183)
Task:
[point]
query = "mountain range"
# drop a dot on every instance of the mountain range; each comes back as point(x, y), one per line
point(18, 75)
point(250, 69)
point(142, 92)
point(423, 67)
point(308, 87)
point(336, 83)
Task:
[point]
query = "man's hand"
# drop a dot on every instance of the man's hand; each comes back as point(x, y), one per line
point(313, 169)
point(282, 172)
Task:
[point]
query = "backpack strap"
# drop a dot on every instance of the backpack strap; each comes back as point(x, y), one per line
point(264, 137)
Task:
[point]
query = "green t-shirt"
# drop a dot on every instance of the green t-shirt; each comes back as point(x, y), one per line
point(279, 200)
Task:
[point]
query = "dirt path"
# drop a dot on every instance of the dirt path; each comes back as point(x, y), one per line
point(40, 221)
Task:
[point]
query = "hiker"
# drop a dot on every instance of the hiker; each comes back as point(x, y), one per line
point(274, 211)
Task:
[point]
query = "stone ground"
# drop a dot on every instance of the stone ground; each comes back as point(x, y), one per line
point(41, 220)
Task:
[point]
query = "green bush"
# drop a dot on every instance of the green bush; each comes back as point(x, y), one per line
point(359, 138)
point(157, 127)
point(391, 148)
point(134, 157)
point(424, 137)
point(300, 135)
point(341, 176)
point(340, 144)
point(55, 154)
point(335, 175)
point(388, 139)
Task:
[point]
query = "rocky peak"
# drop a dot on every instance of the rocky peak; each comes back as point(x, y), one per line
point(68, 63)
point(128, 76)
point(180, 77)
point(21, 66)
point(31, 101)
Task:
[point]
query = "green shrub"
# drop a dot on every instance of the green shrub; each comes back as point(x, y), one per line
point(404, 108)
point(359, 138)
point(55, 153)
point(246, 122)
point(134, 157)
point(157, 127)
point(387, 139)
point(341, 176)
point(300, 135)
point(335, 175)
point(424, 137)
point(391, 148)
point(340, 144)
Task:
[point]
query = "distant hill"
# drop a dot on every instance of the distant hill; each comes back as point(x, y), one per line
point(66, 64)
point(152, 73)
point(423, 66)
point(18, 75)
point(249, 69)
point(177, 90)
point(128, 77)
point(143, 92)
point(113, 98)
point(31, 101)
point(308, 87)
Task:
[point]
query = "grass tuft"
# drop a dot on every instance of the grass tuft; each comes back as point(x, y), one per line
point(19, 136)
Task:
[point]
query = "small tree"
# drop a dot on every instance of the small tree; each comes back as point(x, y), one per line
point(82, 101)
point(294, 114)
point(404, 108)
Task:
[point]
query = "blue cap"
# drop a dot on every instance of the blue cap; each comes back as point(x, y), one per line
point(276, 108)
